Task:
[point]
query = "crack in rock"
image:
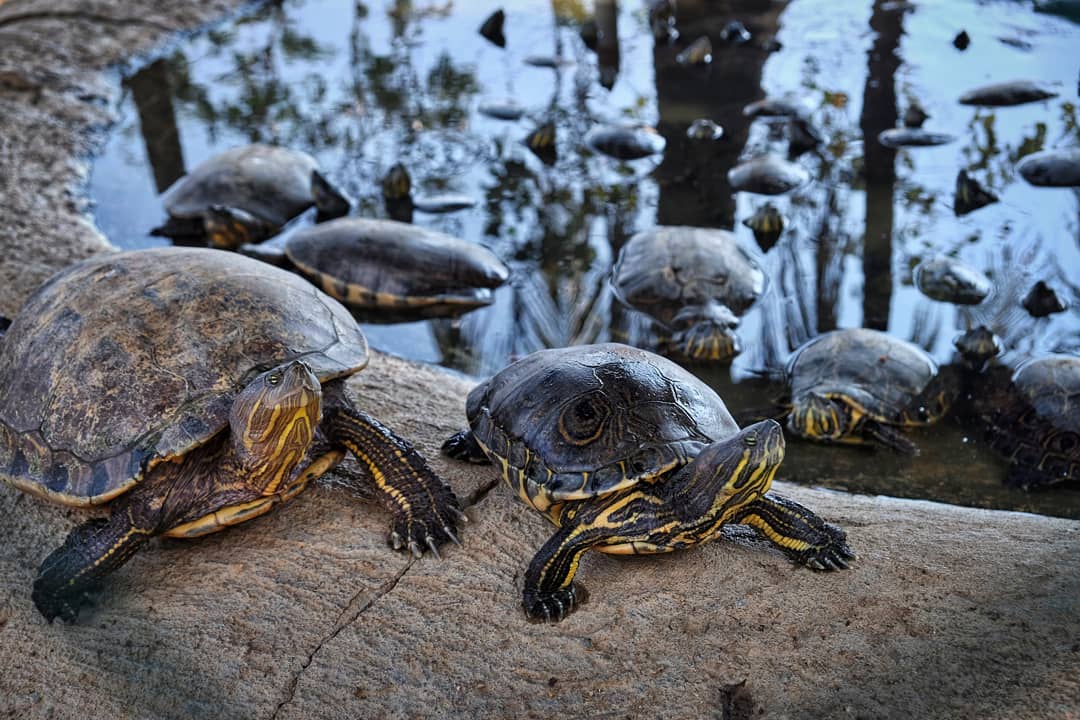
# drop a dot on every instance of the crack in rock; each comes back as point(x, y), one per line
point(355, 608)
point(477, 496)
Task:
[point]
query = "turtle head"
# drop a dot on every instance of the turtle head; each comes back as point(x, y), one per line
point(730, 473)
point(273, 421)
point(706, 333)
point(228, 228)
point(819, 417)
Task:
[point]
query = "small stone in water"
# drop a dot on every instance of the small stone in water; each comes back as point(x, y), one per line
point(1041, 301)
point(767, 175)
point(962, 40)
point(948, 280)
point(492, 29)
point(913, 137)
point(915, 116)
point(1052, 168)
point(970, 195)
point(1016, 92)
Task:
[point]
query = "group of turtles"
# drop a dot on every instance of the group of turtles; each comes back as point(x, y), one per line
point(194, 388)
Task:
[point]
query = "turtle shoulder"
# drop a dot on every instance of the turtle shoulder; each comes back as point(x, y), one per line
point(129, 359)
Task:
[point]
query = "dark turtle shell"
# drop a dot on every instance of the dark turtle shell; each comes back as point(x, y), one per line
point(128, 359)
point(881, 373)
point(396, 268)
point(664, 269)
point(589, 420)
point(272, 183)
point(1038, 427)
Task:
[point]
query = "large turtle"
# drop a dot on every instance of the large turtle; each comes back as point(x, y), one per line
point(245, 195)
point(626, 452)
point(388, 271)
point(1037, 426)
point(197, 388)
point(859, 385)
point(693, 282)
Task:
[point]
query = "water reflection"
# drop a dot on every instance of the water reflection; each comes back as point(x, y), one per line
point(365, 86)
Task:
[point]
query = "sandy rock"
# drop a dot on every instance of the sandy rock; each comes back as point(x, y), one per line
point(306, 613)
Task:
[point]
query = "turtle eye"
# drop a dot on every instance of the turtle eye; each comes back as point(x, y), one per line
point(273, 378)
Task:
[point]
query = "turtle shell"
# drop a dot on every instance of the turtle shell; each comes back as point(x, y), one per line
point(662, 270)
point(272, 183)
point(128, 359)
point(881, 373)
point(1038, 426)
point(588, 420)
point(387, 265)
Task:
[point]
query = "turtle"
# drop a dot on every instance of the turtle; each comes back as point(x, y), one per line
point(767, 175)
point(1037, 427)
point(860, 385)
point(693, 283)
point(624, 142)
point(192, 389)
point(389, 271)
point(245, 195)
point(948, 280)
point(626, 452)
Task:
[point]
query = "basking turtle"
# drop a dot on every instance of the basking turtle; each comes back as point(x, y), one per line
point(1037, 428)
point(195, 389)
point(388, 271)
point(693, 282)
point(626, 452)
point(860, 385)
point(245, 195)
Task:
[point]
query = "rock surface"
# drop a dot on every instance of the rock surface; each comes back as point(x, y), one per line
point(305, 613)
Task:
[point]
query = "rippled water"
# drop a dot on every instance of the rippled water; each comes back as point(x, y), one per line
point(363, 86)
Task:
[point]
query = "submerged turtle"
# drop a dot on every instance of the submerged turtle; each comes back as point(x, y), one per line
point(860, 385)
point(1014, 92)
point(195, 389)
point(625, 142)
point(767, 175)
point(626, 452)
point(948, 280)
point(1038, 427)
point(245, 195)
point(387, 271)
point(693, 282)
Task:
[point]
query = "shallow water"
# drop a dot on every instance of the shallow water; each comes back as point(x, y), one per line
point(363, 86)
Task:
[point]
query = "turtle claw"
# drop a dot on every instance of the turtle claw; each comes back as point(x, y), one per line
point(434, 548)
point(395, 540)
point(414, 548)
point(450, 534)
point(460, 515)
point(554, 607)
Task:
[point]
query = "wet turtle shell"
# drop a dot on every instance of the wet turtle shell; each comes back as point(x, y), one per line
point(665, 269)
point(1038, 427)
point(643, 416)
point(130, 359)
point(767, 175)
point(269, 185)
point(389, 271)
point(875, 376)
point(949, 280)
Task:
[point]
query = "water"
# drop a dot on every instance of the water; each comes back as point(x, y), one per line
point(362, 86)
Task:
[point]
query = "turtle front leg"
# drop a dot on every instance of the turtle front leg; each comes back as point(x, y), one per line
point(797, 531)
point(425, 509)
point(550, 593)
point(76, 568)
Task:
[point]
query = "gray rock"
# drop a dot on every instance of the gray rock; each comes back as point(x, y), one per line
point(1052, 168)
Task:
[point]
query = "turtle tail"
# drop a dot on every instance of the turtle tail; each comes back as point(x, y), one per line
point(75, 569)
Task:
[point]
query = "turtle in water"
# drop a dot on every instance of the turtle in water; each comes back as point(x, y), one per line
point(948, 280)
point(693, 283)
point(1037, 426)
point(860, 385)
point(626, 452)
point(245, 195)
point(194, 389)
point(388, 271)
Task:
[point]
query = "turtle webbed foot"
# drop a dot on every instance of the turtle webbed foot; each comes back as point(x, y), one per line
point(463, 446)
point(551, 607)
point(433, 526)
point(60, 589)
point(830, 552)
